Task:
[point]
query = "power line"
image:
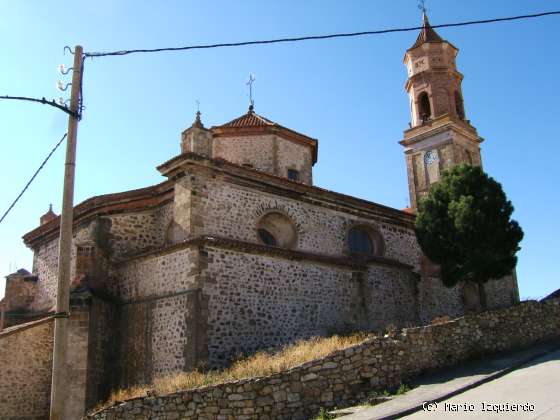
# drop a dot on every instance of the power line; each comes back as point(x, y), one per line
point(316, 37)
point(32, 178)
point(42, 101)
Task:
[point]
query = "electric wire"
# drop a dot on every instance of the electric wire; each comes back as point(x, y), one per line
point(315, 37)
point(44, 101)
point(32, 178)
point(78, 114)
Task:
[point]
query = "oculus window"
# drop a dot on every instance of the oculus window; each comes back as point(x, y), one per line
point(277, 229)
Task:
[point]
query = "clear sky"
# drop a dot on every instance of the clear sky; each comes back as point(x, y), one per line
point(348, 93)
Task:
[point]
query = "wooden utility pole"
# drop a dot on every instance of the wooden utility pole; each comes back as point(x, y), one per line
point(59, 390)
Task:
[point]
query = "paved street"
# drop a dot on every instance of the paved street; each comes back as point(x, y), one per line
point(533, 382)
point(536, 384)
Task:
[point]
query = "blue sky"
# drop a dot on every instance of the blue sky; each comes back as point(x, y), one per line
point(348, 93)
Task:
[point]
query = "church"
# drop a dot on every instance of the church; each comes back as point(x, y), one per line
point(237, 250)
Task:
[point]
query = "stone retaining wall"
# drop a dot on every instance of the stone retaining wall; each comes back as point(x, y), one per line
point(25, 377)
point(347, 375)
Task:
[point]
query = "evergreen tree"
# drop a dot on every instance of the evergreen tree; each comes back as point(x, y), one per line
point(464, 225)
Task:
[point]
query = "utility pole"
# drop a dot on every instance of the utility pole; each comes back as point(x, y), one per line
point(59, 389)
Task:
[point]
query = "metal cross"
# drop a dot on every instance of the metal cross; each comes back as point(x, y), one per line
point(197, 105)
point(422, 6)
point(250, 84)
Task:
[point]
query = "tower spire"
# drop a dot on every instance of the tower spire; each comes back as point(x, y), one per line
point(427, 33)
point(439, 136)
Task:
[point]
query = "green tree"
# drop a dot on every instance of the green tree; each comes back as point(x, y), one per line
point(464, 225)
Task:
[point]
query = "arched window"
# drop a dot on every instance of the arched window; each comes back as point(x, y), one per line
point(359, 242)
point(276, 229)
point(424, 109)
point(459, 105)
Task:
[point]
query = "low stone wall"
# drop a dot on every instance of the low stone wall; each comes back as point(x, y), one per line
point(346, 376)
point(25, 375)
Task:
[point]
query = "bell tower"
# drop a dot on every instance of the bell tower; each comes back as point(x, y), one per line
point(439, 135)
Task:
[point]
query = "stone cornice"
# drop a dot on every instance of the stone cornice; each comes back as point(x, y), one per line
point(253, 248)
point(439, 125)
point(427, 73)
point(128, 201)
point(159, 194)
point(262, 181)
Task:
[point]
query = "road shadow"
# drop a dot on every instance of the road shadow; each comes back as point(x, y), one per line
point(486, 365)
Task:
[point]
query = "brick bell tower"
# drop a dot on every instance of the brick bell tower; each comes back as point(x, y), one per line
point(439, 136)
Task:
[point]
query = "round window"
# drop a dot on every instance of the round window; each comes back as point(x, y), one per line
point(266, 237)
point(276, 229)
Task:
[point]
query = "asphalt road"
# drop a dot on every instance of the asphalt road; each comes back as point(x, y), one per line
point(530, 392)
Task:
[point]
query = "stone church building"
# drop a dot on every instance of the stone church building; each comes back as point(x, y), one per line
point(237, 250)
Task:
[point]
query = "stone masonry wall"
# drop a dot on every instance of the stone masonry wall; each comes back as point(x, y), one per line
point(158, 315)
point(157, 337)
point(502, 293)
point(25, 379)
point(45, 266)
point(435, 300)
point(102, 361)
point(154, 276)
point(128, 234)
point(131, 233)
point(345, 377)
point(232, 211)
point(254, 150)
point(267, 153)
point(259, 301)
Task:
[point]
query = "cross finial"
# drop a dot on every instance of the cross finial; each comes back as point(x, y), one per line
point(250, 84)
point(197, 121)
point(422, 7)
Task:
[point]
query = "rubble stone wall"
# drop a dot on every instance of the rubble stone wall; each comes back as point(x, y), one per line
point(25, 378)
point(261, 301)
point(157, 315)
point(268, 153)
point(131, 233)
point(45, 266)
point(232, 211)
point(345, 376)
point(154, 275)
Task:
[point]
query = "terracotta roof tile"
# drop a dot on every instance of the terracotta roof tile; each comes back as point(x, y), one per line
point(250, 119)
point(253, 123)
point(427, 34)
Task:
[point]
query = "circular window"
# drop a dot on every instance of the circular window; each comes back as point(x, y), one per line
point(266, 237)
point(364, 241)
point(276, 229)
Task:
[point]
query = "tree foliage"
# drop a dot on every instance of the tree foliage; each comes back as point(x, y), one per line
point(464, 225)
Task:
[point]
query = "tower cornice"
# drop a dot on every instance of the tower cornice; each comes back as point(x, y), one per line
point(426, 73)
point(439, 125)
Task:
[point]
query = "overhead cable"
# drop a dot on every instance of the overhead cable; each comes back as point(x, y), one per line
point(32, 178)
point(315, 37)
point(42, 101)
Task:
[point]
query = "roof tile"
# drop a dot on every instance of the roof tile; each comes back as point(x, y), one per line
point(427, 34)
